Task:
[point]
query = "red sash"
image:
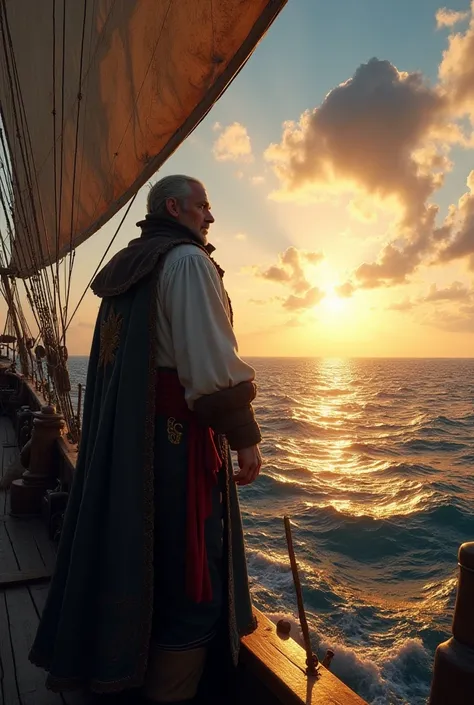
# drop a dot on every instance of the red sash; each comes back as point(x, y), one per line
point(203, 465)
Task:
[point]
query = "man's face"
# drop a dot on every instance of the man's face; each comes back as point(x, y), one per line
point(194, 212)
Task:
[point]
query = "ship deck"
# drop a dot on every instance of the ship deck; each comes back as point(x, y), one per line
point(26, 562)
point(272, 670)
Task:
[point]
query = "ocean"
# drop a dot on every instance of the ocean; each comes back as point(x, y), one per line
point(373, 460)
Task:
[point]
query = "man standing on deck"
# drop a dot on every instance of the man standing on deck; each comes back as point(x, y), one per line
point(151, 568)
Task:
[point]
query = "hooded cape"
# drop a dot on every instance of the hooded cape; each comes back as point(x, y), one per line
point(96, 624)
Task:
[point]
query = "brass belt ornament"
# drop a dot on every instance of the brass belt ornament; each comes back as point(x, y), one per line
point(175, 431)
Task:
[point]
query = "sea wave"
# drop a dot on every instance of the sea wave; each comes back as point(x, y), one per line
point(372, 460)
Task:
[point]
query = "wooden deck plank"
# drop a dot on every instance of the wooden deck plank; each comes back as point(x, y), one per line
point(24, 544)
point(39, 594)
point(46, 547)
point(23, 624)
point(6, 504)
point(280, 664)
point(9, 689)
point(8, 562)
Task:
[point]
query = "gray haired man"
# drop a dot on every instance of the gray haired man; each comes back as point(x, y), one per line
point(151, 573)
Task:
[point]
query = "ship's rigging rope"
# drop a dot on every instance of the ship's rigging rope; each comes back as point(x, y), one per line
point(40, 296)
point(119, 227)
point(45, 293)
point(47, 288)
point(76, 147)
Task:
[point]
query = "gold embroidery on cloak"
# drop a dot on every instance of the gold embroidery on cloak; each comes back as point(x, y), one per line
point(109, 338)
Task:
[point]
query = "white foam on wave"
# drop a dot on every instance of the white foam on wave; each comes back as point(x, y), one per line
point(381, 676)
point(271, 570)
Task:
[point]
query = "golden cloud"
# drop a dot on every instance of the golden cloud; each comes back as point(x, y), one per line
point(366, 137)
point(460, 223)
point(448, 18)
point(455, 292)
point(298, 303)
point(384, 136)
point(402, 306)
point(290, 271)
point(233, 144)
point(456, 71)
point(454, 321)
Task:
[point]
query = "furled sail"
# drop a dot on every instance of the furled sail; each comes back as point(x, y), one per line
point(96, 95)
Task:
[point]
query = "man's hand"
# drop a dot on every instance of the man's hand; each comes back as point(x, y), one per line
point(250, 462)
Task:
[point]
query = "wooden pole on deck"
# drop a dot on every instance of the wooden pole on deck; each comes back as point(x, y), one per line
point(311, 658)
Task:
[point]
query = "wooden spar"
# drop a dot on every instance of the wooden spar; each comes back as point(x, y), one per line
point(311, 658)
point(12, 310)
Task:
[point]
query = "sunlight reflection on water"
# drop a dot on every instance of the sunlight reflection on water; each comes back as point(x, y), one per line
point(373, 461)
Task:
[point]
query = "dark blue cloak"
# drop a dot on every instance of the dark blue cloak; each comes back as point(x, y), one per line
point(96, 626)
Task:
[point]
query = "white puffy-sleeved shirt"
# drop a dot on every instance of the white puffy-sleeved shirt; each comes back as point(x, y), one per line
point(195, 335)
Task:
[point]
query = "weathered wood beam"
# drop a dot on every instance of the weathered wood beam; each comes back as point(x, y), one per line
point(280, 664)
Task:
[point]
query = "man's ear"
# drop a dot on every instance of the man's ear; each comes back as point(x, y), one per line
point(172, 206)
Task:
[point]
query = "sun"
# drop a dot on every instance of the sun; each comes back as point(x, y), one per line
point(332, 303)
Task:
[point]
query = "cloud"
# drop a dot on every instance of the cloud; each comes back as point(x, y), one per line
point(455, 292)
point(312, 257)
point(263, 302)
point(456, 71)
point(290, 269)
point(448, 18)
point(460, 321)
point(405, 305)
point(382, 135)
point(308, 300)
point(385, 135)
point(345, 290)
point(392, 267)
point(241, 236)
point(362, 210)
point(291, 272)
point(460, 223)
point(257, 180)
point(363, 138)
point(233, 144)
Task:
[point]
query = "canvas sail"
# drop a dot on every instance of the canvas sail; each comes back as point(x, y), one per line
point(96, 95)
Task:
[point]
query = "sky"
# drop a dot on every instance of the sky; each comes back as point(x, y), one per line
point(340, 169)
